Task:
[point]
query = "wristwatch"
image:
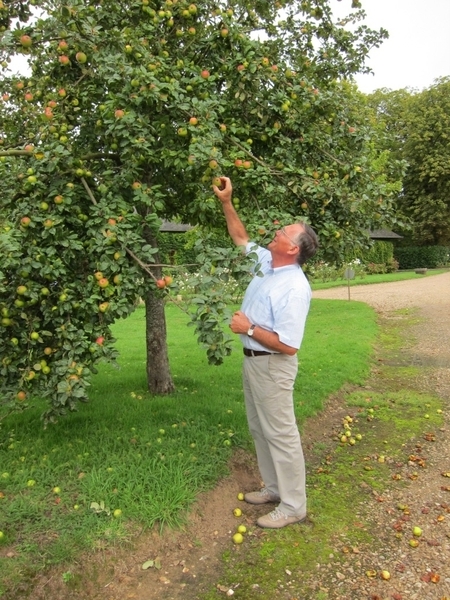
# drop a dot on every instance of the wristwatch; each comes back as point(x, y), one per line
point(251, 330)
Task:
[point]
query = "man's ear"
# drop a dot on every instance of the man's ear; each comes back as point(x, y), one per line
point(294, 250)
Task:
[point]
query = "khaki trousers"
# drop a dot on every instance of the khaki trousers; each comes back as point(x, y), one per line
point(268, 389)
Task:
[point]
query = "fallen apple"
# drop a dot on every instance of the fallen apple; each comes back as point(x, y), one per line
point(240, 496)
point(417, 532)
point(242, 529)
point(237, 512)
point(238, 538)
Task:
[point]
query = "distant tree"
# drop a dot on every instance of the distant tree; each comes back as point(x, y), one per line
point(131, 110)
point(418, 132)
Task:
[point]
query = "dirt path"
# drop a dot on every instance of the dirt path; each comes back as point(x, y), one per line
point(422, 573)
point(190, 561)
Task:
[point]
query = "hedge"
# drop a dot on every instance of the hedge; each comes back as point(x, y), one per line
point(422, 257)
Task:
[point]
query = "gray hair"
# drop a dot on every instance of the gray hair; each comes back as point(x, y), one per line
point(308, 243)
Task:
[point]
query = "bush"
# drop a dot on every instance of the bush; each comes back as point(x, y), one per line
point(423, 257)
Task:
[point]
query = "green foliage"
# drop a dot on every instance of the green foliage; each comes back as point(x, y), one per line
point(417, 127)
point(379, 252)
point(428, 257)
point(129, 111)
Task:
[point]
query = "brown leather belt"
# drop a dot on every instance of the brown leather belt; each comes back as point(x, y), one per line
point(249, 352)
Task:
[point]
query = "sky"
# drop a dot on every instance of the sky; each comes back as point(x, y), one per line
point(418, 49)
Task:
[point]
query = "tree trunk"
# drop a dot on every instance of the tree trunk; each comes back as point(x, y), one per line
point(158, 371)
point(159, 379)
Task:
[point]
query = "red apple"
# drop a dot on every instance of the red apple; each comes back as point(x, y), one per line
point(63, 45)
point(238, 162)
point(205, 74)
point(168, 279)
point(64, 60)
point(193, 121)
point(103, 282)
point(100, 340)
point(119, 113)
point(25, 221)
point(28, 96)
point(26, 41)
point(160, 283)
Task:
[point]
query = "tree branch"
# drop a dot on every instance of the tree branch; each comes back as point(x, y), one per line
point(88, 190)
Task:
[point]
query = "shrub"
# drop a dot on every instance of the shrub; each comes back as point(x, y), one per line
point(423, 257)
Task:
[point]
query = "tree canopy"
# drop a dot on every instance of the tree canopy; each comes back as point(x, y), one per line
point(130, 111)
point(417, 125)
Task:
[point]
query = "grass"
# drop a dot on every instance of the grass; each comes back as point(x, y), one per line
point(370, 279)
point(148, 457)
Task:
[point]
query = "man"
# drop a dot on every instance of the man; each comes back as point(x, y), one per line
point(271, 324)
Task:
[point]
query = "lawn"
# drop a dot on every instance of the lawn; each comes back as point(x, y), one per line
point(128, 460)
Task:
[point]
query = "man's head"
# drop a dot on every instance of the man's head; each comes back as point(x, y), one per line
point(294, 243)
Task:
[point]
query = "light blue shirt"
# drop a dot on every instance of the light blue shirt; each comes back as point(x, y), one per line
point(278, 301)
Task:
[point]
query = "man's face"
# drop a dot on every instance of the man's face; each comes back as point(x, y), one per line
point(284, 241)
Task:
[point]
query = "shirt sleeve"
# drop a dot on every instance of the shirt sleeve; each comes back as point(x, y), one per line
point(264, 259)
point(290, 318)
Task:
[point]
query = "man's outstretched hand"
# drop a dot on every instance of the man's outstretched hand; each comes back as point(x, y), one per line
point(225, 191)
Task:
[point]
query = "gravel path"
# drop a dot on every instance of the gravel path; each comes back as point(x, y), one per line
point(422, 573)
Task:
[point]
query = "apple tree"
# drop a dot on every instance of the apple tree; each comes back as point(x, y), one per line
point(128, 112)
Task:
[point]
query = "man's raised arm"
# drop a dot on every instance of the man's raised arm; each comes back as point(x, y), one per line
point(235, 226)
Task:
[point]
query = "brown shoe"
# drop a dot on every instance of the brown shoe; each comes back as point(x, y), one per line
point(277, 519)
point(263, 496)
